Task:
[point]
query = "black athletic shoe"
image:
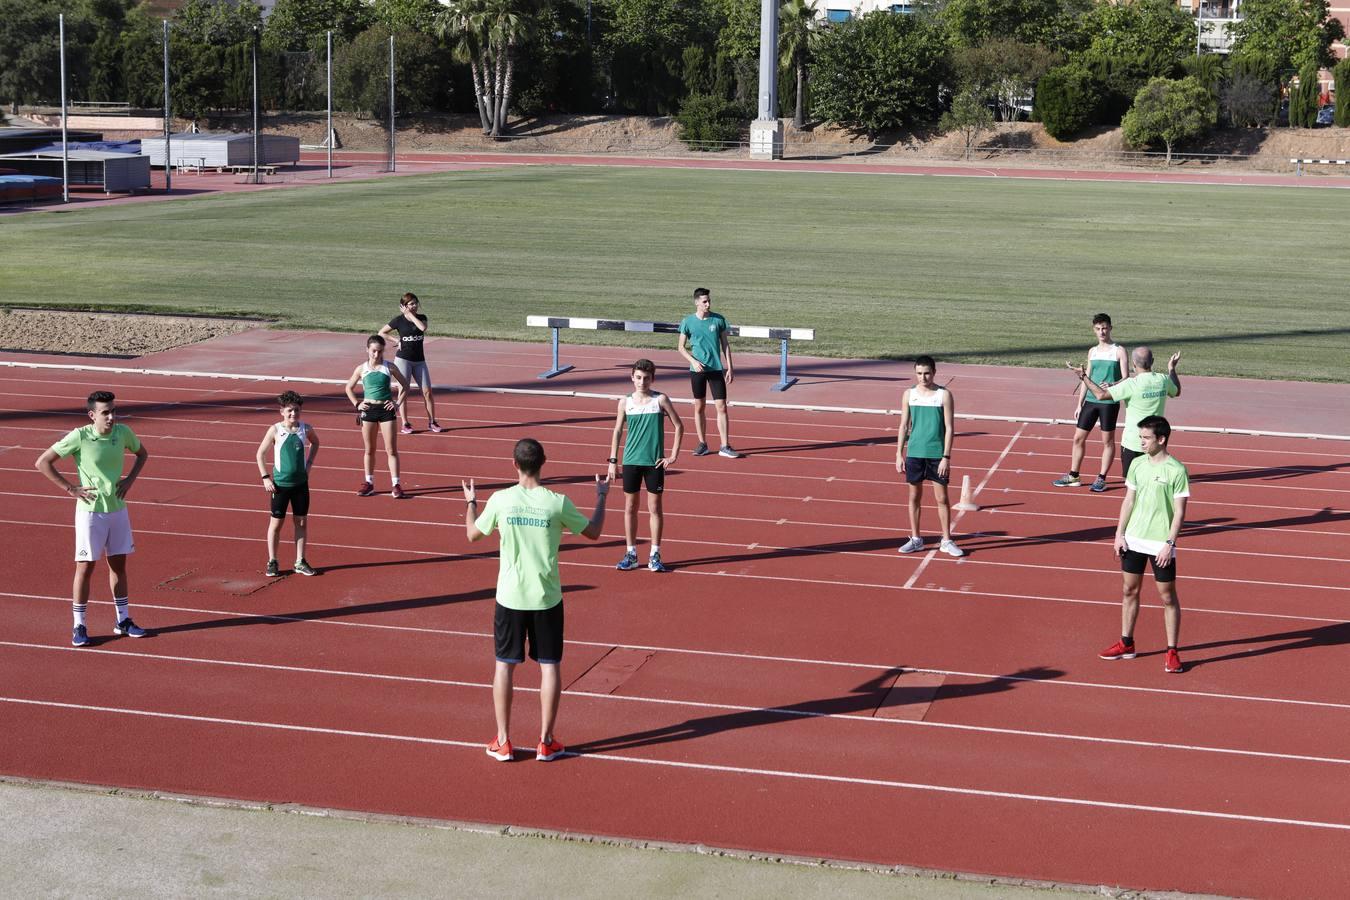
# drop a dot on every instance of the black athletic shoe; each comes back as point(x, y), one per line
point(701, 450)
point(273, 570)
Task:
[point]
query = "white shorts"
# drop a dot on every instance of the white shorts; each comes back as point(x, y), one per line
point(99, 533)
point(416, 372)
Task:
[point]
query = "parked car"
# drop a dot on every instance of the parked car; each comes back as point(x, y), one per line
point(1326, 114)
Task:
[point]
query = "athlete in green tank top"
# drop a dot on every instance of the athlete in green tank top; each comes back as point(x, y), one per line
point(293, 445)
point(642, 414)
point(924, 451)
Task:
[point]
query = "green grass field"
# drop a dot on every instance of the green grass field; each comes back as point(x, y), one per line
point(1245, 281)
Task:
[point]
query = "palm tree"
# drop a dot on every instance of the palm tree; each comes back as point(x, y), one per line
point(796, 34)
point(486, 35)
point(463, 24)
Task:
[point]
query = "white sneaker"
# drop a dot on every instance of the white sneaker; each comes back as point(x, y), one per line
point(949, 547)
point(913, 545)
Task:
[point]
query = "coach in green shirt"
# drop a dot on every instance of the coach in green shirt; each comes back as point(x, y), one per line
point(531, 519)
point(1144, 395)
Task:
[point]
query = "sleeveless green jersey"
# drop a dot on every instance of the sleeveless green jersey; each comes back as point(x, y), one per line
point(289, 449)
point(645, 442)
point(927, 430)
point(1103, 368)
point(375, 382)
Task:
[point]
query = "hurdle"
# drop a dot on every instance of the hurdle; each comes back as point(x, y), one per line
point(557, 323)
point(1300, 163)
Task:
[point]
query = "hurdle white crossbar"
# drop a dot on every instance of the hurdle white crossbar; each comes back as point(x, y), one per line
point(1300, 163)
point(782, 335)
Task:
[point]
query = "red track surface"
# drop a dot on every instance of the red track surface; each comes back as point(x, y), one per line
point(775, 704)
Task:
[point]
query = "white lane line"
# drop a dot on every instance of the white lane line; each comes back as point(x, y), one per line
point(692, 651)
point(693, 573)
point(786, 712)
point(705, 767)
point(1031, 540)
point(987, 475)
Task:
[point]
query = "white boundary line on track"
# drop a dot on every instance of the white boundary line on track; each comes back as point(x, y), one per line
point(786, 712)
point(843, 664)
point(987, 475)
point(689, 572)
point(343, 414)
point(1007, 541)
point(236, 376)
point(704, 767)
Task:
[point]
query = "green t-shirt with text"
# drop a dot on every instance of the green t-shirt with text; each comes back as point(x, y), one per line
point(99, 460)
point(1144, 395)
point(705, 338)
point(531, 521)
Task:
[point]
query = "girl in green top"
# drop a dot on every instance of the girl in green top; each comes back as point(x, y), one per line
point(382, 387)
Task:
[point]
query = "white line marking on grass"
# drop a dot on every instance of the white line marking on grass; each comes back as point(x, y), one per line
point(704, 767)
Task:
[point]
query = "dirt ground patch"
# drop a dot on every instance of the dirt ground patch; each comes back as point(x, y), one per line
point(108, 334)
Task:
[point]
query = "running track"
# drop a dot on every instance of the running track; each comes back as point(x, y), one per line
point(794, 687)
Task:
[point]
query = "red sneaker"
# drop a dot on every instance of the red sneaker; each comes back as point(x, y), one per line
point(1118, 650)
point(500, 752)
point(366, 489)
point(398, 492)
point(550, 751)
point(1172, 664)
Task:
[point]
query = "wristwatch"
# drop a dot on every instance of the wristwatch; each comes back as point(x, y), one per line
point(613, 460)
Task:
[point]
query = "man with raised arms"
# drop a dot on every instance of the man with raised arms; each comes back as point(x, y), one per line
point(1144, 395)
point(529, 605)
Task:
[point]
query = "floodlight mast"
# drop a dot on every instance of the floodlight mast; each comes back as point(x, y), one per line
point(766, 132)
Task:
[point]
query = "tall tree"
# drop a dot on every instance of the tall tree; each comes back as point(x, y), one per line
point(796, 34)
point(1141, 28)
point(1169, 111)
point(297, 24)
point(488, 34)
point(880, 71)
point(1004, 70)
point(1294, 34)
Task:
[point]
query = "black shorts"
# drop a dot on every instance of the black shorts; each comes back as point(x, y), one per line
point(542, 627)
point(296, 496)
point(714, 379)
point(1094, 413)
point(1127, 456)
point(375, 412)
point(1133, 562)
point(919, 469)
point(635, 476)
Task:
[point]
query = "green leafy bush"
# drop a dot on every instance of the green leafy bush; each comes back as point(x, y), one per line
point(710, 123)
point(1066, 100)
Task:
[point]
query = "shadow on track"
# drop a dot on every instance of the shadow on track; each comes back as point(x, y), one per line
point(864, 700)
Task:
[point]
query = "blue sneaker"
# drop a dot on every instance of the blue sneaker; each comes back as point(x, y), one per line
point(129, 628)
point(654, 563)
point(79, 637)
point(628, 562)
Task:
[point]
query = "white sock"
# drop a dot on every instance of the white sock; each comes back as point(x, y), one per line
point(656, 549)
point(79, 610)
point(122, 612)
point(370, 479)
point(395, 482)
point(632, 549)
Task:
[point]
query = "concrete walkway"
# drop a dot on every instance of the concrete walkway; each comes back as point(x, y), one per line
point(67, 841)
